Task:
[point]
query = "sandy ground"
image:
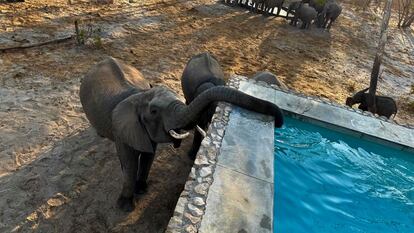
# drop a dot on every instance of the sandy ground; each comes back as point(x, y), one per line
point(57, 175)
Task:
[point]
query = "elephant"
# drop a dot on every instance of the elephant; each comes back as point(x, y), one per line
point(269, 78)
point(329, 14)
point(303, 12)
point(386, 106)
point(269, 5)
point(318, 5)
point(123, 107)
point(202, 73)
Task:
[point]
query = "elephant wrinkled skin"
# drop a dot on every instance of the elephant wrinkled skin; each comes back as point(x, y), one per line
point(123, 107)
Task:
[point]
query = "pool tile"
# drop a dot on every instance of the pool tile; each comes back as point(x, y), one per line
point(247, 205)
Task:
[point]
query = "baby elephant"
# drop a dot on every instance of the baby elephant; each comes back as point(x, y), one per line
point(386, 106)
point(305, 13)
point(268, 78)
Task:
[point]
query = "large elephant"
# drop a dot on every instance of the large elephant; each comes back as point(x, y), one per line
point(202, 73)
point(122, 106)
point(329, 14)
point(305, 13)
point(269, 6)
point(386, 106)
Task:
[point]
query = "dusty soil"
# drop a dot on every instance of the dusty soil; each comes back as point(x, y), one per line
point(57, 175)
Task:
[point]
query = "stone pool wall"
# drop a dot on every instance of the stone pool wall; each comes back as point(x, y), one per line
point(191, 204)
point(230, 187)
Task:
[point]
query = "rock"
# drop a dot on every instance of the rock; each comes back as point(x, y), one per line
point(179, 208)
point(175, 222)
point(198, 201)
point(190, 229)
point(195, 210)
point(211, 153)
point(205, 171)
point(201, 160)
point(201, 188)
point(220, 132)
point(188, 185)
point(192, 174)
point(193, 219)
point(206, 142)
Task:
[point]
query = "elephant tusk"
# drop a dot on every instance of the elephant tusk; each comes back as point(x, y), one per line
point(201, 131)
point(178, 135)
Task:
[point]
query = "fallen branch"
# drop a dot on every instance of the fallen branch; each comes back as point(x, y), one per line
point(54, 41)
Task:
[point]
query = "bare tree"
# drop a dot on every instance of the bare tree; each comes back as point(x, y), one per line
point(405, 13)
point(378, 57)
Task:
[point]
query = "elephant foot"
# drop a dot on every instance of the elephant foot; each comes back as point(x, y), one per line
point(126, 204)
point(141, 187)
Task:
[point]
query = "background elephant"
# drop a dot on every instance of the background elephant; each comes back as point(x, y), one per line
point(329, 14)
point(269, 6)
point(318, 5)
point(203, 72)
point(121, 105)
point(305, 13)
point(386, 106)
point(268, 78)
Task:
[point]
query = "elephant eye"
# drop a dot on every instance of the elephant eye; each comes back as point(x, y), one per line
point(153, 111)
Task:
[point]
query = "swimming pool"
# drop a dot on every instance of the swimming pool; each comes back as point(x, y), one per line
point(331, 182)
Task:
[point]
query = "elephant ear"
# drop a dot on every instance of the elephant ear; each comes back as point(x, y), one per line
point(128, 128)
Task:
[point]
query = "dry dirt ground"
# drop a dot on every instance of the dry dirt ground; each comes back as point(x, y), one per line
point(57, 175)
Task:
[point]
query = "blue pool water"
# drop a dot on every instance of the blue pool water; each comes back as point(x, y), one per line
point(330, 182)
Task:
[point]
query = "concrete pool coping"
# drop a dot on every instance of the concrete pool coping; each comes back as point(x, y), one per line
point(230, 187)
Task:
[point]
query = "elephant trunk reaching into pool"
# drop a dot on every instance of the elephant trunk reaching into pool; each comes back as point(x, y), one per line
point(186, 115)
point(203, 82)
point(123, 107)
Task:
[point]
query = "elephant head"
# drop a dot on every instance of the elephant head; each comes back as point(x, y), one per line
point(143, 118)
point(357, 98)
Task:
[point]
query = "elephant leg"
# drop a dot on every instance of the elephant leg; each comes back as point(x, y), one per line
point(303, 26)
point(129, 164)
point(196, 145)
point(329, 25)
point(145, 162)
point(325, 22)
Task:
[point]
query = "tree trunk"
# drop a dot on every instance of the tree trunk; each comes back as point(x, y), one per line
point(378, 57)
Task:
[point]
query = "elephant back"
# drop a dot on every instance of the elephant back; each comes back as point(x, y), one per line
point(103, 87)
point(200, 70)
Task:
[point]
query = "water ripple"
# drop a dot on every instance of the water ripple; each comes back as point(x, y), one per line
point(329, 182)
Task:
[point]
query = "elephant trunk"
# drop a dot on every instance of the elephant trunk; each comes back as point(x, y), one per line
point(187, 115)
